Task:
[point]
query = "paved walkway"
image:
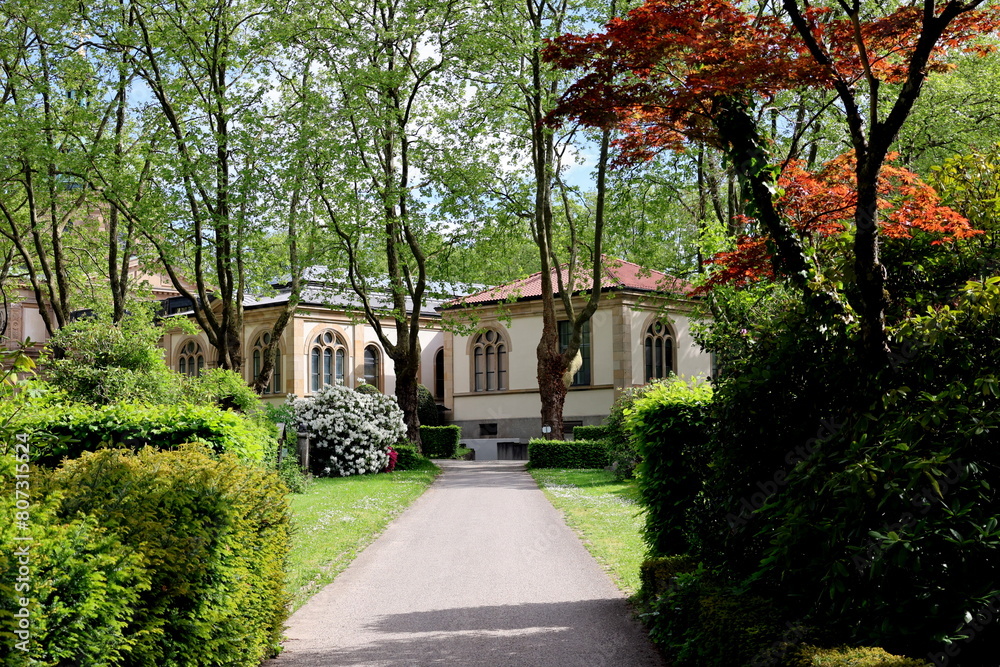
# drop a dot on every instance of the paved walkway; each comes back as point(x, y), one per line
point(480, 570)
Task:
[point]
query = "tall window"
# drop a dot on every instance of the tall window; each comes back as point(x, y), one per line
point(439, 375)
point(328, 358)
point(658, 346)
point(582, 376)
point(259, 348)
point(373, 367)
point(191, 360)
point(489, 362)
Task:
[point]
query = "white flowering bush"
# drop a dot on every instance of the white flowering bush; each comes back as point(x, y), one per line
point(350, 432)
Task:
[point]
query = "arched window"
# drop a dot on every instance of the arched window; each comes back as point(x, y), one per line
point(328, 358)
point(191, 360)
point(259, 348)
point(582, 376)
point(658, 347)
point(373, 367)
point(439, 374)
point(489, 362)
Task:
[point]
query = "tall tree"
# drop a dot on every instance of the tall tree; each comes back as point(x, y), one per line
point(54, 111)
point(681, 70)
point(569, 252)
point(205, 67)
point(400, 155)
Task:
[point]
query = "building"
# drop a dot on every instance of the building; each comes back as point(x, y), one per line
point(326, 341)
point(640, 331)
point(478, 351)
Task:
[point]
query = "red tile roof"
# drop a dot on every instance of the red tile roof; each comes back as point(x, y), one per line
point(618, 275)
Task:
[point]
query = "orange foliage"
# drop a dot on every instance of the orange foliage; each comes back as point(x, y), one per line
point(821, 205)
point(658, 73)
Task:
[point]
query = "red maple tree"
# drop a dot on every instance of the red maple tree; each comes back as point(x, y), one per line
point(820, 206)
point(674, 71)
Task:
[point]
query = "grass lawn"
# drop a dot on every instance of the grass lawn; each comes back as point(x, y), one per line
point(605, 513)
point(338, 517)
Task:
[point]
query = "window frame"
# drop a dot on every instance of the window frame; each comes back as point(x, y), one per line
point(658, 351)
point(191, 358)
point(376, 362)
point(327, 360)
point(585, 376)
point(257, 361)
point(489, 361)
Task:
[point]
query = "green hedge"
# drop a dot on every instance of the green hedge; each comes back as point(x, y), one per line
point(207, 586)
point(60, 431)
point(408, 458)
point(598, 432)
point(810, 656)
point(657, 575)
point(670, 426)
point(440, 442)
point(83, 589)
point(562, 454)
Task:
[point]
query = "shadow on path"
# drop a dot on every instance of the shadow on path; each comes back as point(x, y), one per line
point(549, 634)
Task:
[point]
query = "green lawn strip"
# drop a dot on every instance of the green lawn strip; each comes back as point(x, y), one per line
point(606, 515)
point(338, 517)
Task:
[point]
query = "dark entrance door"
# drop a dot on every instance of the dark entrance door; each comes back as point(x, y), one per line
point(512, 451)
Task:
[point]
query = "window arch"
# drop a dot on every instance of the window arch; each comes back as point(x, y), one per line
point(328, 359)
point(373, 367)
point(259, 348)
point(489, 361)
point(658, 349)
point(439, 374)
point(191, 360)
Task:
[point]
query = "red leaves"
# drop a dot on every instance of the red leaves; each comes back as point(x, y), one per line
point(657, 73)
point(822, 205)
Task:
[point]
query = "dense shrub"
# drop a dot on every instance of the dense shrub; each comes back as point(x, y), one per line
point(350, 431)
point(213, 535)
point(811, 656)
point(567, 454)
point(408, 458)
point(886, 520)
point(598, 432)
point(67, 430)
point(223, 388)
point(440, 442)
point(657, 575)
point(670, 426)
point(427, 409)
point(624, 455)
point(106, 363)
point(365, 388)
point(700, 623)
point(81, 592)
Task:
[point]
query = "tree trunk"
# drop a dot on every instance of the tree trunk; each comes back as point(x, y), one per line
point(406, 396)
point(551, 387)
point(870, 274)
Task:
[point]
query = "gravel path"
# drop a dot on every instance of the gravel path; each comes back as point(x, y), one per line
point(480, 570)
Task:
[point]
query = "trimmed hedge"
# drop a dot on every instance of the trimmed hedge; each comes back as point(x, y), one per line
point(61, 431)
point(670, 426)
point(427, 409)
point(810, 656)
point(563, 454)
point(408, 458)
point(599, 432)
point(657, 575)
point(83, 589)
point(440, 442)
point(211, 536)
